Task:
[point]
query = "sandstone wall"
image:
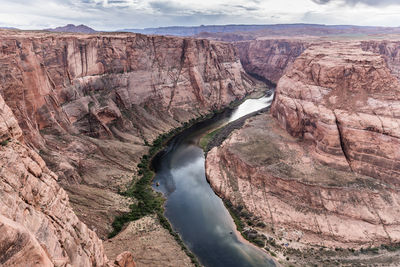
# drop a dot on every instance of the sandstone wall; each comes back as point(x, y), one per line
point(81, 84)
point(389, 50)
point(89, 104)
point(269, 59)
point(346, 101)
point(38, 227)
point(330, 175)
point(276, 178)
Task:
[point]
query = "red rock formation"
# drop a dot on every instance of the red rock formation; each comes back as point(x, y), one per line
point(125, 259)
point(390, 51)
point(334, 180)
point(80, 84)
point(269, 59)
point(346, 101)
point(38, 227)
point(275, 177)
point(89, 104)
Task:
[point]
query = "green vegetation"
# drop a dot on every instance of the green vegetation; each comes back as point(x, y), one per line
point(372, 250)
point(237, 213)
point(207, 138)
point(392, 247)
point(5, 142)
point(150, 202)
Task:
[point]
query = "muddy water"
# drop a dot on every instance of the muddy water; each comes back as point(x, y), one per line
point(192, 207)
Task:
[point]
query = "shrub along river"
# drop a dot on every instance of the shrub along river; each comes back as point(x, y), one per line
point(192, 207)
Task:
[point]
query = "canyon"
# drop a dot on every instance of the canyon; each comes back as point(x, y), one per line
point(78, 112)
point(89, 106)
point(321, 169)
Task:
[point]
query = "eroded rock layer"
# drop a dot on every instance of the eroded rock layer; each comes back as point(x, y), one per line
point(90, 105)
point(91, 84)
point(275, 177)
point(269, 59)
point(38, 227)
point(331, 175)
point(346, 101)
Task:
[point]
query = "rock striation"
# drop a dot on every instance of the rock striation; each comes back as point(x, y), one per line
point(38, 226)
point(98, 85)
point(275, 177)
point(346, 101)
point(323, 168)
point(91, 104)
point(269, 58)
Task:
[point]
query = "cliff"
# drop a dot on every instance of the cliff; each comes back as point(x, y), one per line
point(346, 101)
point(322, 169)
point(276, 177)
point(80, 84)
point(90, 104)
point(269, 59)
point(389, 50)
point(38, 226)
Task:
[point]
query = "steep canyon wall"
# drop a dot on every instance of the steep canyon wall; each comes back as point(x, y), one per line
point(89, 105)
point(38, 226)
point(269, 59)
point(331, 176)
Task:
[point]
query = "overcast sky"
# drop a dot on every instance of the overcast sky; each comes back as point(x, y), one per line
point(120, 14)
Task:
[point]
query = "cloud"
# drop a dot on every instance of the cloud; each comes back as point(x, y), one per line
point(354, 2)
point(120, 14)
point(321, 2)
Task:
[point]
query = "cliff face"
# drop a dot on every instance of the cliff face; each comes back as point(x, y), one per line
point(89, 104)
point(81, 84)
point(389, 50)
point(38, 226)
point(330, 176)
point(276, 178)
point(269, 59)
point(345, 101)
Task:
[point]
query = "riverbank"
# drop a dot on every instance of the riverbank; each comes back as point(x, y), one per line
point(258, 170)
point(241, 218)
point(147, 201)
point(215, 137)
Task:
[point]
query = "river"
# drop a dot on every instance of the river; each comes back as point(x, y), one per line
point(192, 207)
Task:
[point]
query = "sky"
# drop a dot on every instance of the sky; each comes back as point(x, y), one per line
point(123, 14)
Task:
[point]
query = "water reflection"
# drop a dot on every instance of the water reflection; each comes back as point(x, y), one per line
point(251, 105)
point(195, 211)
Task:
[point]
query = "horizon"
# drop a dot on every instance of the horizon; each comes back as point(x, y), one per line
point(202, 25)
point(113, 15)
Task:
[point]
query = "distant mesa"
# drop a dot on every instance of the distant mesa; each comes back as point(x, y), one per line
point(240, 32)
point(8, 28)
point(194, 30)
point(72, 28)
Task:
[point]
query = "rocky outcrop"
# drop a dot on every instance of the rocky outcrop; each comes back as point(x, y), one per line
point(91, 104)
point(275, 177)
point(389, 50)
point(91, 84)
point(269, 59)
point(150, 244)
point(125, 259)
point(345, 101)
point(329, 175)
point(38, 226)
